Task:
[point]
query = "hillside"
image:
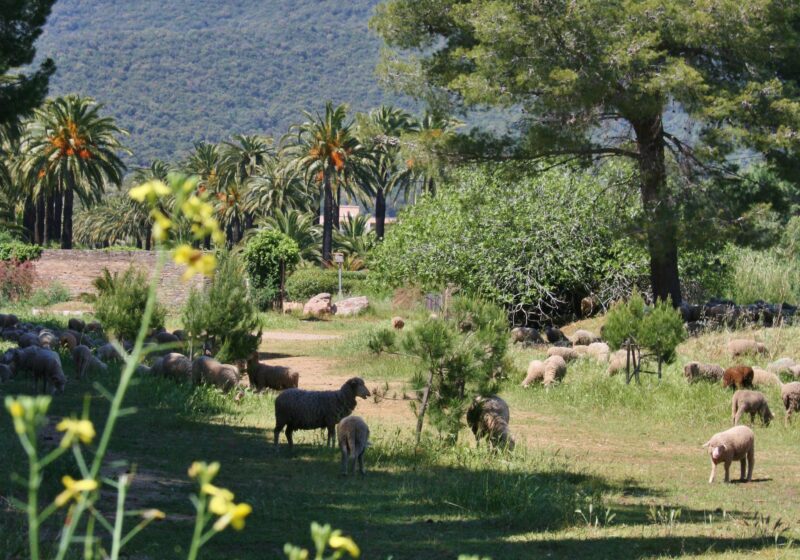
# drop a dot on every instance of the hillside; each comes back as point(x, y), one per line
point(176, 72)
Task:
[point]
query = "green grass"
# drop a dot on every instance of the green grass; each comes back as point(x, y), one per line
point(633, 451)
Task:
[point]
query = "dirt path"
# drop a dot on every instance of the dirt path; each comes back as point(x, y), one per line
point(297, 336)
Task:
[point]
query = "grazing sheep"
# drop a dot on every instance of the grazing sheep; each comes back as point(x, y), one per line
point(554, 335)
point(795, 371)
point(398, 323)
point(353, 442)
point(599, 351)
point(85, 361)
point(617, 362)
point(783, 365)
point(753, 403)
point(735, 444)
point(173, 366)
point(143, 369)
point(75, 324)
point(108, 353)
point(180, 335)
point(695, 371)
point(790, 395)
point(555, 368)
point(525, 336)
point(5, 373)
point(764, 378)
point(8, 320)
point(45, 365)
point(568, 354)
point(535, 372)
point(738, 377)
point(581, 350)
point(740, 346)
point(163, 337)
point(208, 371)
point(94, 326)
point(28, 339)
point(48, 339)
point(488, 418)
point(583, 338)
point(297, 409)
point(68, 341)
point(264, 376)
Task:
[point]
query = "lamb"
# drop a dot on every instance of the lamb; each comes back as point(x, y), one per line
point(740, 346)
point(583, 338)
point(353, 442)
point(75, 324)
point(263, 376)
point(753, 403)
point(568, 354)
point(735, 444)
point(45, 366)
point(535, 372)
point(764, 378)
point(783, 365)
point(85, 361)
point(208, 371)
point(790, 395)
point(298, 409)
point(398, 323)
point(617, 362)
point(738, 377)
point(555, 368)
point(488, 418)
point(173, 366)
point(695, 371)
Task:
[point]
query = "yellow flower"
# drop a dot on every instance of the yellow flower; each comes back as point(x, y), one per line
point(15, 409)
point(203, 470)
point(194, 207)
point(82, 429)
point(196, 262)
point(161, 225)
point(153, 514)
point(235, 517)
point(337, 542)
point(73, 489)
point(151, 191)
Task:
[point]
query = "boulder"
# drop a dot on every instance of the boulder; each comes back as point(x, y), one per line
point(351, 306)
point(318, 306)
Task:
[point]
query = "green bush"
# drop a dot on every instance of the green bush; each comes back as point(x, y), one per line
point(268, 255)
point(120, 307)
point(772, 275)
point(222, 315)
point(55, 293)
point(19, 251)
point(308, 282)
point(623, 321)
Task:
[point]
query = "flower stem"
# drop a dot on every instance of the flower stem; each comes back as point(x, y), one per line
point(199, 523)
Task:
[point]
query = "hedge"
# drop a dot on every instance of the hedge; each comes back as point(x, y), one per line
point(308, 282)
point(18, 251)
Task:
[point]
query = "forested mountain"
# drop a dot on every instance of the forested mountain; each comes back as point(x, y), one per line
point(178, 71)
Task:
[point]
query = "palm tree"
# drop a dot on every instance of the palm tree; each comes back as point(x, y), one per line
point(277, 187)
point(133, 211)
point(242, 159)
point(299, 226)
point(326, 150)
point(355, 239)
point(70, 149)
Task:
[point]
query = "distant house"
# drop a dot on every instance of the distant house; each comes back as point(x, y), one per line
point(354, 210)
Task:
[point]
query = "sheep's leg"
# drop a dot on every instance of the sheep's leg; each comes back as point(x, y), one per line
point(742, 464)
point(752, 418)
point(289, 437)
point(751, 457)
point(344, 461)
point(331, 436)
point(361, 463)
point(713, 472)
point(727, 471)
point(278, 429)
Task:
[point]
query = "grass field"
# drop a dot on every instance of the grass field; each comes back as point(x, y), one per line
point(602, 470)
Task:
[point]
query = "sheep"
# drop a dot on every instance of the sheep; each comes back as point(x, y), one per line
point(164, 337)
point(488, 418)
point(525, 336)
point(695, 371)
point(45, 366)
point(617, 362)
point(753, 403)
point(28, 339)
point(8, 320)
point(67, 340)
point(735, 444)
point(208, 371)
point(143, 369)
point(555, 368)
point(353, 442)
point(264, 376)
point(581, 350)
point(85, 360)
point(738, 377)
point(568, 354)
point(173, 366)
point(5, 373)
point(740, 346)
point(48, 339)
point(583, 338)
point(298, 409)
point(554, 335)
point(398, 323)
point(108, 353)
point(790, 395)
point(795, 371)
point(783, 365)
point(599, 351)
point(535, 372)
point(763, 378)
point(94, 326)
point(181, 335)
point(76, 324)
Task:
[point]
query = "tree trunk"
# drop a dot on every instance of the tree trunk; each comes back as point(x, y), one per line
point(29, 218)
point(41, 202)
point(336, 207)
point(660, 212)
point(69, 193)
point(424, 406)
point(380, 213)
point(148, 238)
point(138, 242)
point(327, 223)
point(48, 218)
point(58, 210)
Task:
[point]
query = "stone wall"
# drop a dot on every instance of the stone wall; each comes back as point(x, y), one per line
point(76, 269)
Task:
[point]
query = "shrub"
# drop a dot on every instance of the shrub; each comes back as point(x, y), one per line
point(222, 315)
point(269, 257)
point(16, 279)
point(121, 306)
point(19, 251)
point(308, 282)
point(770, 275)
point(55, 293)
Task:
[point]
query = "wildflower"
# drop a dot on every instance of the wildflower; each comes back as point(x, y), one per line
point(338, 542)
point(204, 471)
point(235, 517)
point(15, 409)
point(150, 191)
point(81, 429)
point(196, 262)
point(73, 489)
point(221, 499)
point(161, 225)
point(27, 411)
point(194, 207)
point(153, 514)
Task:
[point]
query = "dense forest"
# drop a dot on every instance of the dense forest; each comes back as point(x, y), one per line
point(173, 73)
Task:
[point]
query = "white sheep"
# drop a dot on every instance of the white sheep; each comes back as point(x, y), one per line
point(599, 351)
point(617, 362)
point(535, 372)
point(568, 354)
point(783, 365)
point(735, 444)
point(741, 346)
point(764, 378)
point(583, 338)
point(353, 434)
point(208, 371)
point(790, 395)
point(750, 402)
point(555, 368)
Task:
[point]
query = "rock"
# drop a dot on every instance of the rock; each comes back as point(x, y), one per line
point(398, 323)
point(318, 306)
point(351, 306)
